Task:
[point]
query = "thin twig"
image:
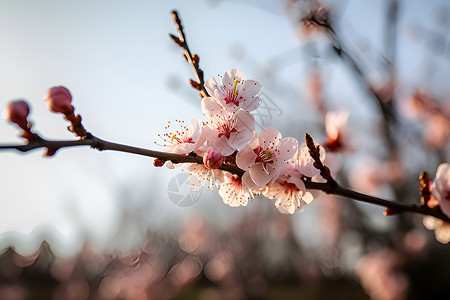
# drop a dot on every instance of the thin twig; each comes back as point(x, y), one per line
point(329, 187)
point(192, 60)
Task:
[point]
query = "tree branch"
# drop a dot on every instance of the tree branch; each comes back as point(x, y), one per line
point(328, 187)
point(193, 60)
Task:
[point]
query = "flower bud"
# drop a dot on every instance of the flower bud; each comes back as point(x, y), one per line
point(17, 112)
point(58, 100)
point(212, 159)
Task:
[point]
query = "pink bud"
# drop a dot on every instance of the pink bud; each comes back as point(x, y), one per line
point(59, 100)
point(17, 112)
point(212, 159)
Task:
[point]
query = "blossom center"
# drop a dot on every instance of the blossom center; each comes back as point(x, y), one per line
point(232, 95)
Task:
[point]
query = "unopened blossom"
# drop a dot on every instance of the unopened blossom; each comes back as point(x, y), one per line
point(233, 191)
point(17, 112)
point(289, 191)
point(225, 130)
point(336, 126)
point(59, 99)
point(441, 188)
point(440, 227)
point(234, 91)
point(212, 159)
point(265, 155)
point(182, 140)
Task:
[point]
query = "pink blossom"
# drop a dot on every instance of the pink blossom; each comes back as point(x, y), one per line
point(182, 140)
point(234, 192)
point(199, 175)
point(17, 112)
point(289, 190)
point(235, 92)
point(226, 130)
point(59, 99)
point(212, 159)
point(264, 156)
point(380, 275)
point(336, 126)
point(441, 187)
point(440, 227)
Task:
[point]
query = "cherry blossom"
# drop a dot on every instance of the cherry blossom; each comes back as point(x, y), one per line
point(441, 188)
point(264, 156)
point(183, 140)
point(289, 190)
point(336, 126)
point(200, 174)
point(235, 92)
point(226, 130)
point(234, 192)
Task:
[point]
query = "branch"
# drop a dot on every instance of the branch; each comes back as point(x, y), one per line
point(101, 145)
point(193, 60)
point(330, 187)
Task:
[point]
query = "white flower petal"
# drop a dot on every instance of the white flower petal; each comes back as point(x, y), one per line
point(269, 137)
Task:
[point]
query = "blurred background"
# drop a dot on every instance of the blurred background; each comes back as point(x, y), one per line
point(91, 225)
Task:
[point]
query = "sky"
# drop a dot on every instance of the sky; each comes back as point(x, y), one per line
point(128, 80)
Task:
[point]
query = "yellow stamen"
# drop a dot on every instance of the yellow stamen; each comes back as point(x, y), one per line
point(236, 92)
point(268, 153)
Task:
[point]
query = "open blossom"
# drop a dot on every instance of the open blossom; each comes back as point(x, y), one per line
point(183, 140)
point(235, 92)
point(225, 130)
point(289, 191)
point(441, 188)
point(336, 126)
point(233, 191)
point(264, 156)
point(200, 174)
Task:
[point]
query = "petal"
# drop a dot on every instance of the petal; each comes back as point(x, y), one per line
point(248, 182)
point(211, 108)
point(238, 139)
point(250, 104)
point(230, 76)
point(202, 145)
point(245, 158)
point(245, 121)
point(223, 145)
point(269, 137)
point(286, 149)
point(194, 128)
point(183, 148)
point(259, 175)
point(307, 197)
point(210, 86)
point(250, 88)
point(298, 182)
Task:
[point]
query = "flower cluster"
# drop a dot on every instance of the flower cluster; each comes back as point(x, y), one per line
point(273, 166)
